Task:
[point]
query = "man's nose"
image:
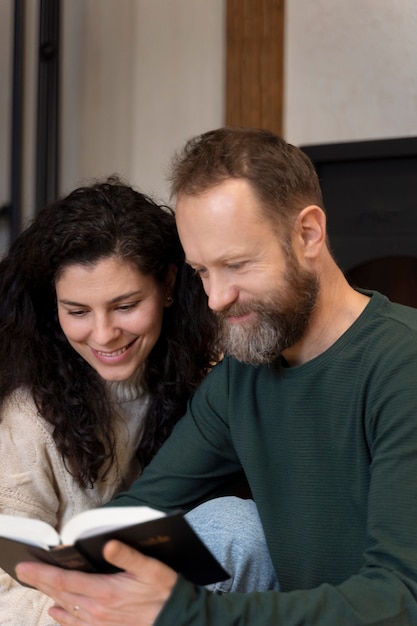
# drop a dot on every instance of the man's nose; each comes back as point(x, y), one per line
point(221, 294)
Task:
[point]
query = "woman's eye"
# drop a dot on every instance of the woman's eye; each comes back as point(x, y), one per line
point(127, 307)
point(77, 313)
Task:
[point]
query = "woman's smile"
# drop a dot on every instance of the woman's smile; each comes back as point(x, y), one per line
point(113, 355)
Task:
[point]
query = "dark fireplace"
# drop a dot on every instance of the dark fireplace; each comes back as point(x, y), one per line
point(370, 195)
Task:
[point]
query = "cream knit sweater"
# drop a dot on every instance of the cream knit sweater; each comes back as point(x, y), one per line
point(35, 483)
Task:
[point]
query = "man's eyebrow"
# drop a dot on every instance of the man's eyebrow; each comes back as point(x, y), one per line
point(227, 258)
point(123, 296)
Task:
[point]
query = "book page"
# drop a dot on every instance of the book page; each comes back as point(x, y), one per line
point(32, 531)
point(101, 520)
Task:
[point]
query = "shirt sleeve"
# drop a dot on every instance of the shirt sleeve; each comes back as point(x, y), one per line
point(383, 591)
point(198, 459)
point(322, 606)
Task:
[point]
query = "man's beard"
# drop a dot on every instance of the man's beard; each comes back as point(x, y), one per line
point(280, 320)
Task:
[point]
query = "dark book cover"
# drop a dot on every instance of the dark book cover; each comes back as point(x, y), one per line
point(169, 539)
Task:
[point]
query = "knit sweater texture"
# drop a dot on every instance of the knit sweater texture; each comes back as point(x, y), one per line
point(330, 452)
point(35, 483)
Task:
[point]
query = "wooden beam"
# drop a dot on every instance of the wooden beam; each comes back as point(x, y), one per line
point(254, 63)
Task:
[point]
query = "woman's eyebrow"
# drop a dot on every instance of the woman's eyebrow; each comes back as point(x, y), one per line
point(123, 296)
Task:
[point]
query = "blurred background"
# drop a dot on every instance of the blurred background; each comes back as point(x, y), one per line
point(95, 87)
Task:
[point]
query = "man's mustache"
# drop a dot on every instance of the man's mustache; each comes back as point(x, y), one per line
point(236, 310)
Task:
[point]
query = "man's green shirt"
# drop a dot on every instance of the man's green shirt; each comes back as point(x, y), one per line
point(329, 449)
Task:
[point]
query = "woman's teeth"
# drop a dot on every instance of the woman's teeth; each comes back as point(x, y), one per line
point(115, 353)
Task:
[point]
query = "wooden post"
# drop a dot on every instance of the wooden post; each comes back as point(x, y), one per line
point(254, 63)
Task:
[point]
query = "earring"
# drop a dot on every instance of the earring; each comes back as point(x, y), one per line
point(169, 300)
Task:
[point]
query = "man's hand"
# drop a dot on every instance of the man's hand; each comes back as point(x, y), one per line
point(130, 598)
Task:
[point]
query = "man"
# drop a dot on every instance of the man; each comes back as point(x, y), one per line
point(315, 399)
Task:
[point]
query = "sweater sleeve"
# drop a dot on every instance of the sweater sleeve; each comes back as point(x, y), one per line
point(26, 489)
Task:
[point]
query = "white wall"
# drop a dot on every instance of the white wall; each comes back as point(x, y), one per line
point(350, 70)
point(140, 77)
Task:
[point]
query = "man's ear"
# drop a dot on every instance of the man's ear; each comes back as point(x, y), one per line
point(310, 231)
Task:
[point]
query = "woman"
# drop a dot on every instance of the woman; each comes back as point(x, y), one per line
point(99, 352)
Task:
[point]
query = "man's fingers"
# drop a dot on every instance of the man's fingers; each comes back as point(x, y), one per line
point(123, 556)
point(138, 592)
point(144, 568)
point(53, 580)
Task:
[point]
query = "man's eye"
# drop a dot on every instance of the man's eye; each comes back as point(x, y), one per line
point(235, 266)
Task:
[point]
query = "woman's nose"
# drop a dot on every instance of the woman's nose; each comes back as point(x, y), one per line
point(104, 332)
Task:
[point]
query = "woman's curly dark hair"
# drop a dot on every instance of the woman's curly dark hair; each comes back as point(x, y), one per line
point(94, 222)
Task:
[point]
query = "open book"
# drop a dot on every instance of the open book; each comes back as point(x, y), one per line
point(168, 538)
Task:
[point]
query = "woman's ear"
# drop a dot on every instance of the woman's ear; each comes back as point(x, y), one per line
point(310, 231)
